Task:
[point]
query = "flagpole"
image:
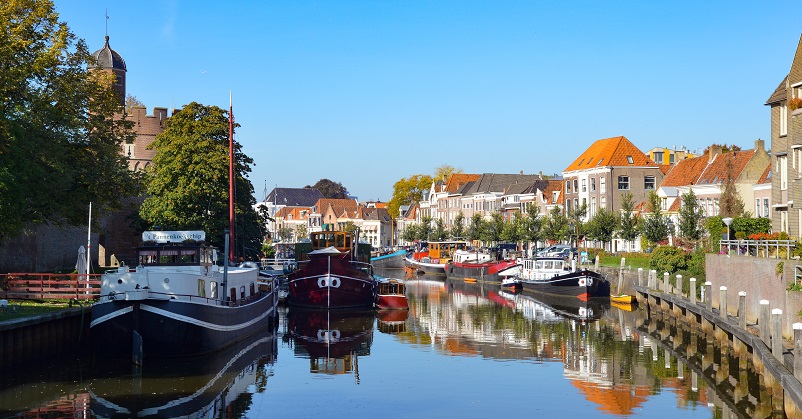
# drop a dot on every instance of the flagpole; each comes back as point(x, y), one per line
point(230, 176)
point(89, 245)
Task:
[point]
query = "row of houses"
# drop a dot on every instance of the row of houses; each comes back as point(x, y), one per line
point(598, 178)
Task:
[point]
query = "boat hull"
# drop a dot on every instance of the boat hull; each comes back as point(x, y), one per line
point(393, 260)
point(582, 284)
point(487, 272)
point(170, 328)
point(429, 268)
point(331, 282)
point(392, 302)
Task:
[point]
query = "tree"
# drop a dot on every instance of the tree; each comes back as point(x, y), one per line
point(690, 218)
point(132, 102)
point(349, 227)
point(301, 231)
point(330, 189)
point(475, 227)
point(60, 130)
point(411, 233)
point(575, 217)
point(491, 231)
point(188, 182)
point(284, 233)
point(530, 227)
point(602, 226)
point(731, 203)
point(425, 231)
point(439, 231)
point(555, 226)
point(458, 227)
point(511, 228)
point(628, 221)
point(444, 172)
point(655, 227)
point(408, 191)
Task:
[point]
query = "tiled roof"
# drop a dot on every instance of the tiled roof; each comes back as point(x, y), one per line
point(716, 172)
point(686, 172)
point(766, 177)
point(554, 185)
point(780, 93)
point(297, 213)
point(294, 197)
point(675, 205)
point(342, 207)
point(611, 152)
point(492, 182)
point(457, 180)
point(665, 168)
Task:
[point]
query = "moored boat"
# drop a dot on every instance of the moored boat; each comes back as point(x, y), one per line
point(432, 257)
point(391, 295)
point(555, 276)
point(333, 272)
point(392, 260)
point(178, 302)
point(623, 299)
point(480, 266)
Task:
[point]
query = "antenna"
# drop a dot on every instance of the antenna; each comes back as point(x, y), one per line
point(107, 22)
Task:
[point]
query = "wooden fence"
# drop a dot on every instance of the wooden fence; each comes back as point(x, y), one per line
point(49, 286)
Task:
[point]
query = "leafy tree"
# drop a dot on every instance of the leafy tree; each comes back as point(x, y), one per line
point(284, 233)
point(301, 231)
point(690, 218)
point(349, 227)
point(408, 191)
point(188, 183)
point(132, 102)
point(750, 225)
point(555, 226)
point(60, 129)
point(268, 250)
point(439, 231)
point(602, 226)
point(411, 233)
point(655, 227)
point(330, 189)
point(575, 217)
point(444, 172)
point(629, 223)
point(475, 227)
point(425, 228)
point(529, 228)
point(458, 227)
point(668, 259)
point(510, 229)
point(491, 232)
point(731, 203)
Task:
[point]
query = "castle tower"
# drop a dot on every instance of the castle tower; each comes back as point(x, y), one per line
point(107, 59)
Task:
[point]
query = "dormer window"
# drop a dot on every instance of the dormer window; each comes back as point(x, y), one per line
point(629, 160)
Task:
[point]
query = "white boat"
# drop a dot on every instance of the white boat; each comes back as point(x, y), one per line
point(555, 275)
point(178, 301)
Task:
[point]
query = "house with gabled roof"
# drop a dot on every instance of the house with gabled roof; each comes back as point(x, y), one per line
point(375, 226)
point(280, 198)
point(293, 218)
point(444, 197)
point(762, 192)
point(605, 171)
point(786, 150)
point(483, 196)
point(333, 213)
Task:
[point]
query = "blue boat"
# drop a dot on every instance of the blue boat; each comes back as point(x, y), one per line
point(394, 260)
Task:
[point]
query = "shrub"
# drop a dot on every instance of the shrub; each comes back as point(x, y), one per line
point(668, 259)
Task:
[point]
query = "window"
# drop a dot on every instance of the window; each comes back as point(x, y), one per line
point(658, 157)
point(623, 183)
point(757, 207)
point(783, 120)
point(201, 288)
point(603, 202)
point(715, 206)
point(584, 185)
point(782, 167)
point(602, 184)
point(568, 187)
point(664, 203)
point(576, 185)
point(593, 184)
point(766, 207)
point(213, 289)
point(648, 182)
point(797, 161)
point(554, 196)
point(592, 206)
point(671, 158)
point(629, 160)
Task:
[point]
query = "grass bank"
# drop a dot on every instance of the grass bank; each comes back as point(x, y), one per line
point(26, 308)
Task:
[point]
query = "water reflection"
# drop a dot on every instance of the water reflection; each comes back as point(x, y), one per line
point(333, 340)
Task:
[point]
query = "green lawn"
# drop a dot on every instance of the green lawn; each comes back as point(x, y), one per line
point(25, 308)
point(635, 262)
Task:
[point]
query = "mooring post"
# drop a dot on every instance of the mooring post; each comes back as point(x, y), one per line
point(709, 295)
point(665, 282)
point(640, 277)
point(678, 285)
point(742, 309)
point(777, 333)
point(763, 322)
point(692, 291)
point(621, 274)
point(596, 264)
point(653, 279)
point(694, 382)
point(798, 351)
point(722, 302)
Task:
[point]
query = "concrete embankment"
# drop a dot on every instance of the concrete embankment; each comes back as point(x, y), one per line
point(44, 336)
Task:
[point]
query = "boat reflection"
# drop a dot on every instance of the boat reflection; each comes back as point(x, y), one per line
point(333, 340)
point(214, 385)
point(548, 308)
point(392, 321)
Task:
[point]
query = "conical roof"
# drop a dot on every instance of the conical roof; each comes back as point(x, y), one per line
point(107, 58)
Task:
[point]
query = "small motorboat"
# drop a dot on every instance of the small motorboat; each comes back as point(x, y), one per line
point(391, 295)
point(623, 299)
point(511, 283)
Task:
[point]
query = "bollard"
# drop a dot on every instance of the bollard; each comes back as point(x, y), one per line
point(798, 351)
point(722, 302)
point(596, 264)
point(763, 322)
point(692, 291)
point(694, 382)
point(742, 309)
point(678, 285)
point(777, 333)
point(709, 295)
point(665, 282)
point(640, 277)
point(653, 279)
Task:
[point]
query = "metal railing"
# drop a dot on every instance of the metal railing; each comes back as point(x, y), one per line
point(778, 249)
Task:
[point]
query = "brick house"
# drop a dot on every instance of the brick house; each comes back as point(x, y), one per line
point(762, 193)
point(445, 197)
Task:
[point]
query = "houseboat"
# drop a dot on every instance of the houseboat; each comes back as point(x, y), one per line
point(480, 266)
point(333, 272)
point(389, 260)
point(391, 295)
point(558, 276)
point(178, 301)
point(432, 257)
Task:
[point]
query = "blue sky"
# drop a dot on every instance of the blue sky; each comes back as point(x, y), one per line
point(368, 92)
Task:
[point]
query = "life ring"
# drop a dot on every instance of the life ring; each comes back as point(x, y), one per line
point(334, 282)
point(322, 282)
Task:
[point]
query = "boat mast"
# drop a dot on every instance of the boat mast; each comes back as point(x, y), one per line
point(230, 177)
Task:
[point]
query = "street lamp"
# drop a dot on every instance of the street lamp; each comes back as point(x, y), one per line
point(670, 225)
point(727, 221)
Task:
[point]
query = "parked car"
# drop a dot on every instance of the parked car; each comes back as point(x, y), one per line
point(567, 252)
point(553, 250)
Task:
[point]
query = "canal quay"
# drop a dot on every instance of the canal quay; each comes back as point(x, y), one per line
point(462, 350)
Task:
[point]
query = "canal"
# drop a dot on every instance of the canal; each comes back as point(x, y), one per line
point(462, 350)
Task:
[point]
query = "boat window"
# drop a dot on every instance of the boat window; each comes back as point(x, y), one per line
point(189, 256)
point(242, 292)
point(168, 256)
point(340, 241)
point(147, 257)
point(539, 264)
point(253, 289)
point(348, 241)
point(201, 288)
point(549, 264)
point(213, 289)
point(233, 293)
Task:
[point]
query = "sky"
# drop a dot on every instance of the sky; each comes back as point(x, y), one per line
point(366, 93)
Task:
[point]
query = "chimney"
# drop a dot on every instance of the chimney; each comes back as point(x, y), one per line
point(712, 152)
point(760, 145)
point(522, 172)
point(540, 175)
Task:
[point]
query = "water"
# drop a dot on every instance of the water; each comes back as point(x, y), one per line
point(462, 350)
